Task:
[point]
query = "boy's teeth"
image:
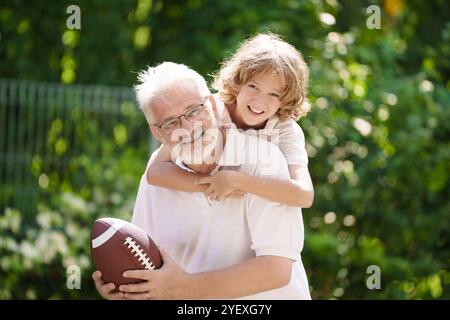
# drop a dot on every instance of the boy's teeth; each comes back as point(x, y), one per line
point(255, 110)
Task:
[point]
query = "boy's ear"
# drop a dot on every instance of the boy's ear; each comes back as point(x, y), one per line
point(155, 133)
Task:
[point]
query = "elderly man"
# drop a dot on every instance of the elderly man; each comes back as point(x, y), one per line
point(244, 247)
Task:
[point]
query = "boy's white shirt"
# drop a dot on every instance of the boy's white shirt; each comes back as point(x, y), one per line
point(286, 135)
point(201, 236)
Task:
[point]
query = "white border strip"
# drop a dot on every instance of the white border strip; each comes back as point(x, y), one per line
point(105, 236)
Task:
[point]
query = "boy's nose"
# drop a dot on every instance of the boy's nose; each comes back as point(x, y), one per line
point(259, 101)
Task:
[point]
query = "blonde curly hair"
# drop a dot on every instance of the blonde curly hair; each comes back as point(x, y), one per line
point(259, 54)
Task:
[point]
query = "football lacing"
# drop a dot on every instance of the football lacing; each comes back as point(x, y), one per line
point(138, 252)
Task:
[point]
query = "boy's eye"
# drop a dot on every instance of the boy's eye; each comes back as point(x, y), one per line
point(252, 86)
point(276, 95)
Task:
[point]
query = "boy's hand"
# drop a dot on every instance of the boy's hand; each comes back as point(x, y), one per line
point(106, 289)
point(221, 185)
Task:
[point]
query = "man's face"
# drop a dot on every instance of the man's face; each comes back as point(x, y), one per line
point(184, 121)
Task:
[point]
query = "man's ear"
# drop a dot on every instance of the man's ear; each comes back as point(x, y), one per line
point(155, 132)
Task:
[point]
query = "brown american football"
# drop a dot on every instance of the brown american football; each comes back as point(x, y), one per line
point(118, 246)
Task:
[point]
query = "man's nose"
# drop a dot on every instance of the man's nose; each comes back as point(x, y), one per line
point(186, 124)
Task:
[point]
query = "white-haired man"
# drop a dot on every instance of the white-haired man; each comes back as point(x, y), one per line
point(244, 247)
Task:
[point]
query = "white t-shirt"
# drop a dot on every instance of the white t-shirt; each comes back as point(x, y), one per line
point(286, 135)
point(202, 236)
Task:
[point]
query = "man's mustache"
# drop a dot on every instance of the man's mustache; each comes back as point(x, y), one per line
point(182, 136)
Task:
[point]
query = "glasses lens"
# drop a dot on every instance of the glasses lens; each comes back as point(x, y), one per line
point(170, 125)
point(196, 113)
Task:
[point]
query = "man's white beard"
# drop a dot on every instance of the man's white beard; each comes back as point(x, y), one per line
point(203, 150)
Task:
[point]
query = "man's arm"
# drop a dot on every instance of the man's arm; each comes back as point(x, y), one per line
point(250, 277)
point(247, 278)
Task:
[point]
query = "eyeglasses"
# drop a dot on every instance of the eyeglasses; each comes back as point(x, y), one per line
point(194, 113)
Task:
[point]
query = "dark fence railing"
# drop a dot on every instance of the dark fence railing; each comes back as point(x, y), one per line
point(43, 126)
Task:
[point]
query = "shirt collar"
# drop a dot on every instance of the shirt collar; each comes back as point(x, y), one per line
point(272, 122)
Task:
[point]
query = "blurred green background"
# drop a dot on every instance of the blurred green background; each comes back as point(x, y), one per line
point(73, 144)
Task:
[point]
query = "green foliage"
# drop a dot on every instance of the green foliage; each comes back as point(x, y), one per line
point(35, 254)
point(377, 137)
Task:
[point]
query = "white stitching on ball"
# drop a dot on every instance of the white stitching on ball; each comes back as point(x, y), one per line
point(143, 259)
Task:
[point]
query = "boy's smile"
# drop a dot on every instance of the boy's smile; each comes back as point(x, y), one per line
point(259, 99)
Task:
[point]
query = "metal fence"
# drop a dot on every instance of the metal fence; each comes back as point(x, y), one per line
point(44, 125)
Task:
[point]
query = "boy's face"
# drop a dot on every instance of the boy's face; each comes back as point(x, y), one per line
point(259, 98)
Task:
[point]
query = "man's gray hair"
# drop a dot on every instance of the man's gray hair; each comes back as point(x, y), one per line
point(157, 80)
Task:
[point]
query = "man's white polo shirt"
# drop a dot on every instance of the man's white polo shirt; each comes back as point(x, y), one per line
point(202, 236)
